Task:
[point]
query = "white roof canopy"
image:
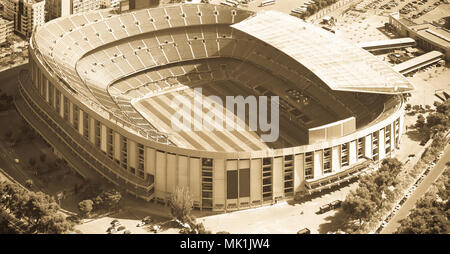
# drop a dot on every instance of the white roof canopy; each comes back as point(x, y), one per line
point(341, 64)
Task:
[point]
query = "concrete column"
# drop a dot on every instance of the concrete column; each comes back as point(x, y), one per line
point(80, 121)
point(335, 158)
point(318, 164)
point(368, 146)
point(91, 129)
point(352, 152)
point(381, 145)
point(299, 172)
point(103, 137)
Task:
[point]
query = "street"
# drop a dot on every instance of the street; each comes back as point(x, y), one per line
point(410, 203)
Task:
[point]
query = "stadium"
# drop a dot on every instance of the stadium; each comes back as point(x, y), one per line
point(100, 85)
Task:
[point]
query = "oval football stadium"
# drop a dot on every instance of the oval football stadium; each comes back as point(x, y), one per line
point(100, 90)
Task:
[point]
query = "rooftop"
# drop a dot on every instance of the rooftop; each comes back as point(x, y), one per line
point(342, 65)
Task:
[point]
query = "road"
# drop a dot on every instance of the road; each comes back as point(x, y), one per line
point(8, 79)
point(8, 84)
point(14, 170)
point(410, 203)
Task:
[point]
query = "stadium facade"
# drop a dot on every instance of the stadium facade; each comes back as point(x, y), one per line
point(99, 87)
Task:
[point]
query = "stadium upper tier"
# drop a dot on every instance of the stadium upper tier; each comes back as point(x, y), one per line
point(341, 65)
point(131, 64)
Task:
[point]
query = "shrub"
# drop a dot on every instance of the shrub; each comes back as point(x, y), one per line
point(86, 207)
point(29, 183)
point(181, 204)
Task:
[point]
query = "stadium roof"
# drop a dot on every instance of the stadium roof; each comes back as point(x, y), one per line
point(342, 65)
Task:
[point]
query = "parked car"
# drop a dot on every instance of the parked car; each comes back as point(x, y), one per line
point(324, 208)
point(115, 223)
point(156, 228)
point(111, 230)
point(304, 231)
point(336, 204)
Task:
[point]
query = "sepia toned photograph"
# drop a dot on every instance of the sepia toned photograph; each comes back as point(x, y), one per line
point(224, 117)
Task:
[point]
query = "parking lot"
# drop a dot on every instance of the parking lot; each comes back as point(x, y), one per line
point(282, 218)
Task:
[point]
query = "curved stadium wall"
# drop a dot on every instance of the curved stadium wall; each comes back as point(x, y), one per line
point(96, 144)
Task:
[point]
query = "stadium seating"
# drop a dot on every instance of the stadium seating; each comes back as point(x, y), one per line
point(114, 59)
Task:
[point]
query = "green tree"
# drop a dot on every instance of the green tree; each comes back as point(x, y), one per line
point(427, 218)
point(420, 121)
point(53, 224)
point(86, 207)
point(38, 210)
point(359, 206)
point(392, 165)
point(29, 183)
point(108, 199)
point(181, 204)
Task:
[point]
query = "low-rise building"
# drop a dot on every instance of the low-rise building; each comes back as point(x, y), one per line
point(428, 36)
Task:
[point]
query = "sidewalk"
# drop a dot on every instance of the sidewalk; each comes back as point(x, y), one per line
point(423, 187)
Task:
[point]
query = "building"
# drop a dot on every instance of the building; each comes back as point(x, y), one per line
point(126, 5)
point(8, 9)
point(110, 4)
point(62, 8)
point(100, 87)
point(26, 14)
point(6, 29)
point(429, 36)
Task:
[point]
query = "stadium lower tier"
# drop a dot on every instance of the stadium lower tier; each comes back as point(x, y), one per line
point(96, 145)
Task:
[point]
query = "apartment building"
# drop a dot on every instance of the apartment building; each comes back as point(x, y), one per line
point(26, 14)
point(62, 8)
point(6, 29)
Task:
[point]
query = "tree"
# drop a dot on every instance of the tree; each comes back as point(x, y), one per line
point(86, 207)
point(312, 8)
point(437, 118)
point(108, 199)
point(429, 217)
point(420, 121)
point(181, 204)
point(444, 107)
point(438, 141)
point(392, 165)
point(54, 224)
point(359, 206)
point(29, 183)
point(38, 210)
